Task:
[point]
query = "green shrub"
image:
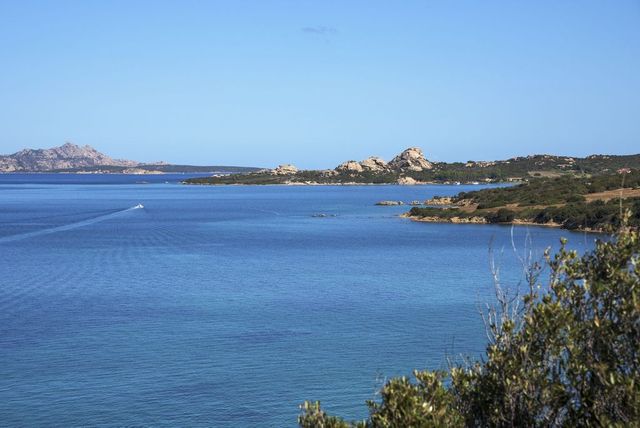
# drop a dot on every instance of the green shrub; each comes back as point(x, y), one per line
point(575, 198)
point(503, 215)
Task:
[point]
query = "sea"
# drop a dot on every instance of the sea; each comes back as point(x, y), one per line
point(140, 301)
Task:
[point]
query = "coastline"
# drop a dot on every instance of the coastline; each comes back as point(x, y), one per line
point(350, 183)
point(482, 220)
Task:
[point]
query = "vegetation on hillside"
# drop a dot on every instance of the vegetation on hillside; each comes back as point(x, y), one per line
point(570, 202)
point(536, 165)
point(305, 176)
point(596, 216)
point(549, 191)
point(564, 354)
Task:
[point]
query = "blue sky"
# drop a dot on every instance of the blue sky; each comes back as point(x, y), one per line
point(318, 82)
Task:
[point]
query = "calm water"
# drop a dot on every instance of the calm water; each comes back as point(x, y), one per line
point(228, 306)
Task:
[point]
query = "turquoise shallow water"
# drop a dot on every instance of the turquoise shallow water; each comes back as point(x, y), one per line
point(228, 306)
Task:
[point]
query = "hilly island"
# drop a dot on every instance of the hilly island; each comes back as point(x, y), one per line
point(71, 158)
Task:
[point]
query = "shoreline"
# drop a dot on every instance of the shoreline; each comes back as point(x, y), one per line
point(482, 221)
point(101, 173)
point(425, 183)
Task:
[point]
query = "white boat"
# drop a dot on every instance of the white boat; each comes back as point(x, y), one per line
point(139, 206)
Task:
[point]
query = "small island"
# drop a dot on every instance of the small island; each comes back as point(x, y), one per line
point(585, 203)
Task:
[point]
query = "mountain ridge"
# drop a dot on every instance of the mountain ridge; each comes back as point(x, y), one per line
point(66, 156)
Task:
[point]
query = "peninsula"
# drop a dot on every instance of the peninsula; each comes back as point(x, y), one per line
point(412, 167)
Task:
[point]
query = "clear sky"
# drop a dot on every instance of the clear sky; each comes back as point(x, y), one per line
point(318, 82)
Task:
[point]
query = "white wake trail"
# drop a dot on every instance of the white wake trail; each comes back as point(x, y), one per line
point(70, 226)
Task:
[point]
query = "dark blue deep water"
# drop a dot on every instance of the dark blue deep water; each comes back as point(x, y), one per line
point(228, 306)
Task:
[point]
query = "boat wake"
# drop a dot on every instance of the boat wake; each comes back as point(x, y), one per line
point(70, 226)
point(265, 211)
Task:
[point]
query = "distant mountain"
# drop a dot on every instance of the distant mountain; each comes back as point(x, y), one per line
point(58, 158)
point(73, 158)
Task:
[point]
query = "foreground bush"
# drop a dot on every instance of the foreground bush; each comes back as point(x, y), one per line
point(566, 354)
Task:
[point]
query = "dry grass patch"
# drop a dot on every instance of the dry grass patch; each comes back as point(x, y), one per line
point(613, 194)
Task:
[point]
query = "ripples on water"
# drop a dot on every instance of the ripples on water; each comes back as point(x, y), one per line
point(229, 306)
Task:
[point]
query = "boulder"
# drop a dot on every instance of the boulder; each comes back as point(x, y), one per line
point(286, 169)
point(439, 201)
point(374, 163)
point(328, 172)
point(407, 181)
point(350, 166)
point(411, 159)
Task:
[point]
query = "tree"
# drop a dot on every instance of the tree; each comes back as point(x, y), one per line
point(503, 215)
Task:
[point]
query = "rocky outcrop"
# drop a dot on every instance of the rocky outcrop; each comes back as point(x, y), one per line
point(407, 181)
point(350, 166)
point(411, 159)
point(450, 201)
point(458, 220)
point(67, 156)
point(374, 163)
point(328, 172)
point(474, 220)
point(439, 200)
point(286, 169)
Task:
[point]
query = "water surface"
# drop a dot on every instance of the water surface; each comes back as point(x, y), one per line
point(228, 306)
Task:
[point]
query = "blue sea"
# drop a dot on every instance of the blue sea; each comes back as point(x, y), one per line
point(229, 306)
